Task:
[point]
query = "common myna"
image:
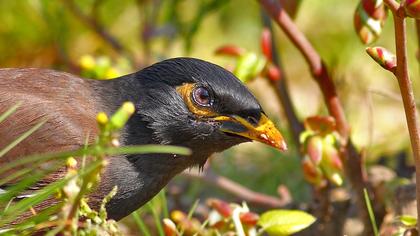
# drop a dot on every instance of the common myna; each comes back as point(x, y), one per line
point(182, 101)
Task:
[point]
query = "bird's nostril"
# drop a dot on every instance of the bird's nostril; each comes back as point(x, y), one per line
point(252, 120)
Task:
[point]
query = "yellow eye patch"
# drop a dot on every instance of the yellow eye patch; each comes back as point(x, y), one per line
point(186, 90)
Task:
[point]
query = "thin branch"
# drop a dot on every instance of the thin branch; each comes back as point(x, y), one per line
point(389, 95)
point(94, 25)
point(322, 200)
point(353, 161)
point(407, 94)
point(240, 191)
point(392, 5)
point(318, 68)
point(281, 88)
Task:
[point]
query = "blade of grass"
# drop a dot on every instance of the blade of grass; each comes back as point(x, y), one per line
point(371, 213)
point(140, 149)
point(193, 208)
point(28, 181)
point(190, 213)
point(15, 175)
point(164, 203)
point(21, 186)
point(42, 216)
point(156, 218)
point(21, 138)
point(41, 195)
point(140, 223)
point(10, 111)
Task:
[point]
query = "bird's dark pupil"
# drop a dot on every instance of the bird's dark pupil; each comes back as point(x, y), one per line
point(202, 96)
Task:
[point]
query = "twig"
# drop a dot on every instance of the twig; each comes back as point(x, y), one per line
point(389, 95)
point(318, 68)
point(393, 5)
point(407, 95)
point(240, 191)
point(281, 88)
point(353, 161)
point(322, 201)
point(93, 24)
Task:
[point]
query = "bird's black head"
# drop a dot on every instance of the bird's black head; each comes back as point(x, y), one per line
point(197, 104)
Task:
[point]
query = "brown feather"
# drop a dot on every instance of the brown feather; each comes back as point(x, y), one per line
point(63, 100)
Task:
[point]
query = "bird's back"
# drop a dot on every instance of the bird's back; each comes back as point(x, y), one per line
point(64, 101)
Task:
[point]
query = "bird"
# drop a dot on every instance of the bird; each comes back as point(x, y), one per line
point(181, 101)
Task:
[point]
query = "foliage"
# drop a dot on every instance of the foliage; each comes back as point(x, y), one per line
point(72, 190)
point(103, 39)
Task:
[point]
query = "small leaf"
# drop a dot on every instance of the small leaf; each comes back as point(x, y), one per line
point(249, 66)
point(407, 220)
point(285, 222)
point(320, 124)
point(369, 19)
point(331, 163)
point(314, 149)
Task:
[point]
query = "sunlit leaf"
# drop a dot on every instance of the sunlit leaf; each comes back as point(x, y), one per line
point(407, 220)
point(285, 222)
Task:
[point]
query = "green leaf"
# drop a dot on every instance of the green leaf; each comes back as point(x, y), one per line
point(140, 223)
point(371, 213)
point(409, 221)
point(141, 149)
point(285, 222)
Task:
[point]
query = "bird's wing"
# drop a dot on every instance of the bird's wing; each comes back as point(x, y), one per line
point(66, 103)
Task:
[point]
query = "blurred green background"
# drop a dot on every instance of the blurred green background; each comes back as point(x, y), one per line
point(56, 34)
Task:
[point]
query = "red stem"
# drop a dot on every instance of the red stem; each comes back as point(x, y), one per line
point(318, 69)
point(353, 161)
point(406, 90)
point(393, 5)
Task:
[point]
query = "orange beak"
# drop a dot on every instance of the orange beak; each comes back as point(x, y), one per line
point(264, 131)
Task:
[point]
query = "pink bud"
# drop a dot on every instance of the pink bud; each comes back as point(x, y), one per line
point(412, 8)
point(369, 18)
point(312, 173)
point(383, 57)
point(314, 149)
point(273, 73)
point(249, 218)
point(222, 207)
point(230, 50)
point(266, 44)
point(320, 124)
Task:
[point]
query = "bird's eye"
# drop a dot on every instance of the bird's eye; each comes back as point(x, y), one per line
point(202, 97)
